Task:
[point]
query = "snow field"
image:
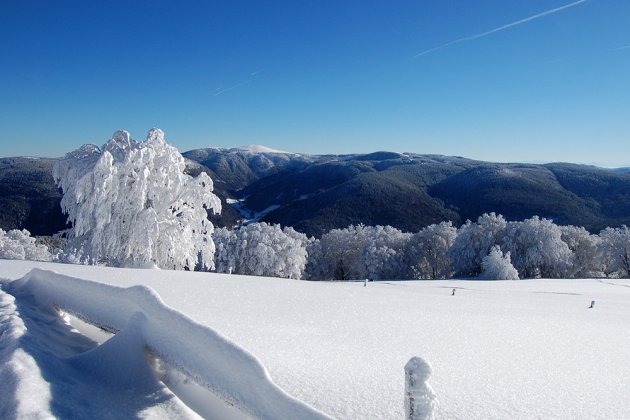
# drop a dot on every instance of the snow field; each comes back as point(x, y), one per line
point(501, 349)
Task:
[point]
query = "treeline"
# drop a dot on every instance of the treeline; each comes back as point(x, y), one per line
point(490, 248)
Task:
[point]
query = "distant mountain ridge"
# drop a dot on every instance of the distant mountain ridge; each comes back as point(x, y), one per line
point(316, 193)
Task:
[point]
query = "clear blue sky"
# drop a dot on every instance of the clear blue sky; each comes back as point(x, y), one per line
point(472, 78)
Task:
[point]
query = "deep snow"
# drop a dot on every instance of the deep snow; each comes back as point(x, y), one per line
point(501, 349)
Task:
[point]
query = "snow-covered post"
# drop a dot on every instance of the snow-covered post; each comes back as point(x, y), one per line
point(420, 399)
point(592, 304)
point(365, 283)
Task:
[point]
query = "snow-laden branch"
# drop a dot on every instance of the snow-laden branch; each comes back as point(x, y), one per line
point(211, 359)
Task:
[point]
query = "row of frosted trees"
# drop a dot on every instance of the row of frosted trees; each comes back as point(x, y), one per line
point(490, 248)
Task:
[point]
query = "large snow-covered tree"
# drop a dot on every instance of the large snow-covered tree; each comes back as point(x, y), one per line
point(262, 250)
point(131, 204)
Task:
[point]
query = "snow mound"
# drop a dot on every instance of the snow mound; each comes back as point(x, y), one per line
point(144, 321)
point(420, 399)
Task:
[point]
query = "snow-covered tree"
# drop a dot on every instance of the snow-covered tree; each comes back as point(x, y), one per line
point(537, 249)
point(474, 241)
point(498, 266)
point(335, 256)
point(19, 245)
point(382, 256)
point(358, 252)
point(261, 249)
point(585, 248)
point(131, 204)
point(427, 254)
point(615, 251)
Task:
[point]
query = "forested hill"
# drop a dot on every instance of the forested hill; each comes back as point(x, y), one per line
point(318, 193)
point(29, 198)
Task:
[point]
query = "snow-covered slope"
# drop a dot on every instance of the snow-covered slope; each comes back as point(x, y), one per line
point(507, 349)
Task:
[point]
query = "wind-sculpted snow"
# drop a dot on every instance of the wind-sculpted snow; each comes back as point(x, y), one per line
point(14, 360)
point(200, 352)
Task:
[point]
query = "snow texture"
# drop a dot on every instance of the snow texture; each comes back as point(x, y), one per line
point(143, 320)
point(19, 374)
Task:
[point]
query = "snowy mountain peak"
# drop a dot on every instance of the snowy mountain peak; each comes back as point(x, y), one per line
point(256, 148)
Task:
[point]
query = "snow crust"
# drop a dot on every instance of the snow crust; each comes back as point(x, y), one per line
point(143, 320)
point(500, 349)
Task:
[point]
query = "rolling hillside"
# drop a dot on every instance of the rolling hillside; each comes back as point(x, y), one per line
point(318, 193)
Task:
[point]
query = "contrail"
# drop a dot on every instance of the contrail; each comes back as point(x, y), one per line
point(252, 76)
point(221, 91)
point(500, 28)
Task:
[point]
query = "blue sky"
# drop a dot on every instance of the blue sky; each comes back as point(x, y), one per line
point(499, 80)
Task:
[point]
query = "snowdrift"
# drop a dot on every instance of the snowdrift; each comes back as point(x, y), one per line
point(139, 313)
point(14, 360)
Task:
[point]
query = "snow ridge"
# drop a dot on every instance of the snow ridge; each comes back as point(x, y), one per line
point(202, 353)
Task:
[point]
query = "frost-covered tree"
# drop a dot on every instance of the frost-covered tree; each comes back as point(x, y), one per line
point(585, 248)
point(537, 249)
point(358, 252)
point(615, 251)
point(131, 204)
point(335, 256)
point(474, 241)
point(382, 256)
point(20, 245)
point(261, 249)
point(426, 253)
point(498, 266)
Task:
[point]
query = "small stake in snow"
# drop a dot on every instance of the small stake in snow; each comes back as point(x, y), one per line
point(365, 283)
point(453, 294)
point(420, 399)
point(592, 304)
point(230, 270)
